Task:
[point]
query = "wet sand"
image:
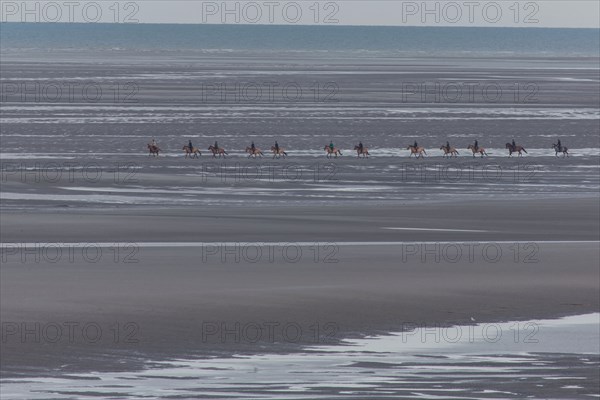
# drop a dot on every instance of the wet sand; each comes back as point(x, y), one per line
point(175, 294)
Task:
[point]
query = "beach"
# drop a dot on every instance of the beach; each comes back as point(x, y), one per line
point(344, 265)
point(126, 275)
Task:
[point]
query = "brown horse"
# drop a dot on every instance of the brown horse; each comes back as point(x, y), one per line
point(220, 151)
point(418, 151)
point(562, 149)
point(449, 152)
point(364, 152)
point(515, 149)
point(255, 152)
point(331, 151)
point(478, 150)
point(153, 150)
point(194, 153)
point(278, 152)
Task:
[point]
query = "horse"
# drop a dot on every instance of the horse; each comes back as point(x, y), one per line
point(417, 151)
point(194, 153)
point(562, 149)
point(278, 152)
point(220, 151)
point(449, 152)
point(153, 150)
point(515, 149)
point(331, 151)
point(364, 152)
point(255, 152)
point(478, 150)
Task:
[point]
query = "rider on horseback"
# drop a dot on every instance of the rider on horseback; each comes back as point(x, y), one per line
point(331, 145)
point(253, 147)
point(416, 145)
point(216, 145)
point(448, 146)
point(360, 147)
point(190, 145)
point(514, 145)
point(276, 146)
point(559, 145)
point(476, 145)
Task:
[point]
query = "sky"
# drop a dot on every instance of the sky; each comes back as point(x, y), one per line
point(499, 13)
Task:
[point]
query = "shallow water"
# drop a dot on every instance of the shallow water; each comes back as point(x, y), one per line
point(514, 360)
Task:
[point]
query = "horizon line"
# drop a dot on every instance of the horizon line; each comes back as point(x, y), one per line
point(297, 25)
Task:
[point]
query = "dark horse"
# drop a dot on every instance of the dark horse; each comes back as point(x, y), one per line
point(560, 149)
point(153, 150)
